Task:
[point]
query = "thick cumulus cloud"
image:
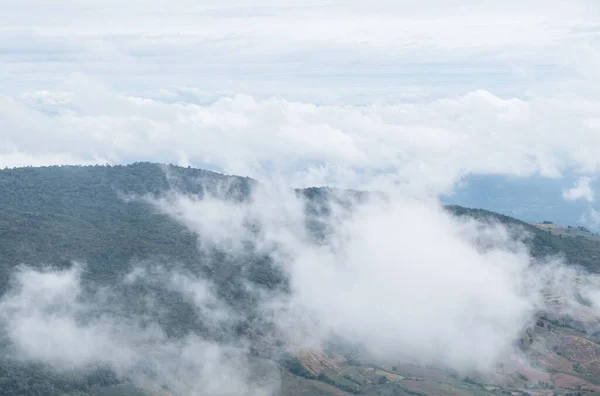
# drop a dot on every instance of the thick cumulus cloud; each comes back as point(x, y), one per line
point(425, 146)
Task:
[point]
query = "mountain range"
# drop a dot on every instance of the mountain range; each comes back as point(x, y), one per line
point(104, 223)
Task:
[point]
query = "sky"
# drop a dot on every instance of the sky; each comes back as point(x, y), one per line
point(341, 93)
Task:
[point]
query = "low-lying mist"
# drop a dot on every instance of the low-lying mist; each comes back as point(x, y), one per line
point(399, 276)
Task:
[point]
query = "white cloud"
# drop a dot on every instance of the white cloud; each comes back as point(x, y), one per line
point(335, 93)
point(332, 52)
point(401, 277)
point(425, 145)
point(39, 315)
point(582, 190)
point(48, 318)
point(591, 217)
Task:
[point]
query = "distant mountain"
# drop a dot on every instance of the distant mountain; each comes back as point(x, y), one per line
point(52, 216)
point(531, 199)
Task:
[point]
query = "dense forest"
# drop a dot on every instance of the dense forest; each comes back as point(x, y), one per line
point(52, 216)
point(580, 251)
point(55, 215)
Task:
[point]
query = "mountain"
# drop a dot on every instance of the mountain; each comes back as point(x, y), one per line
point(55, 215)
point(580, 247)
point(532, 198)
point(103, 217)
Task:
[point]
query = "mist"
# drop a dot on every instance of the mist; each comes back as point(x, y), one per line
point(47, 319)
point(400, 276)
point(394, 274)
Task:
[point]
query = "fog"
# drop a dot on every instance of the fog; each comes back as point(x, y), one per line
point(394, 274)
point(47, 319)
point(400, 276)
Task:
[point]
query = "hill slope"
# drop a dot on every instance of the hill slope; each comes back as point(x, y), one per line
point(54, 215)
point(576, 249)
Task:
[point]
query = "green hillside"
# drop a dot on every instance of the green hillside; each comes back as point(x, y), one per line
point(54, 215)
point(576, 250)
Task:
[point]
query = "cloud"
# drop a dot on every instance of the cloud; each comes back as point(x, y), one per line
point(48, 317)
point(39, 315)
point(401, 276)
point(426, 146)
point(581, 190)
point(591, 217)
point(367, 95)
point(389, 50)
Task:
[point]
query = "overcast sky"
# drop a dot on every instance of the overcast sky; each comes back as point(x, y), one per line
point(323, 51)
point(343, 93)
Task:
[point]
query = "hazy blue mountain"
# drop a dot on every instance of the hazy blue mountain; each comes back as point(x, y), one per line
point(531, 199)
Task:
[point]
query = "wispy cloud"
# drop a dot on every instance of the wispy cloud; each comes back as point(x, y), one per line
point(303, 50)
point(48, 318)
point(582, 190)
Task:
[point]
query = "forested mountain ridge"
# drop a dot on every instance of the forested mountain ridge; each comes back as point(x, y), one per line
point(52, 216)
point(579, 251)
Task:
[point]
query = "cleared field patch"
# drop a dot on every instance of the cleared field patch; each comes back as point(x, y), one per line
point(390, 376)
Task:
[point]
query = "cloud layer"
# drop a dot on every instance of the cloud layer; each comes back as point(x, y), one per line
point(309, 92)
point(333, 51)
point(427, 146)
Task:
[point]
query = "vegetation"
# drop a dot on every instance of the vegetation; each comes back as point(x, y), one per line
point(577, 251)
point(27, 379)
point(53, 215)
point(295, 367)
point(56, 215)
point(345, 387)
